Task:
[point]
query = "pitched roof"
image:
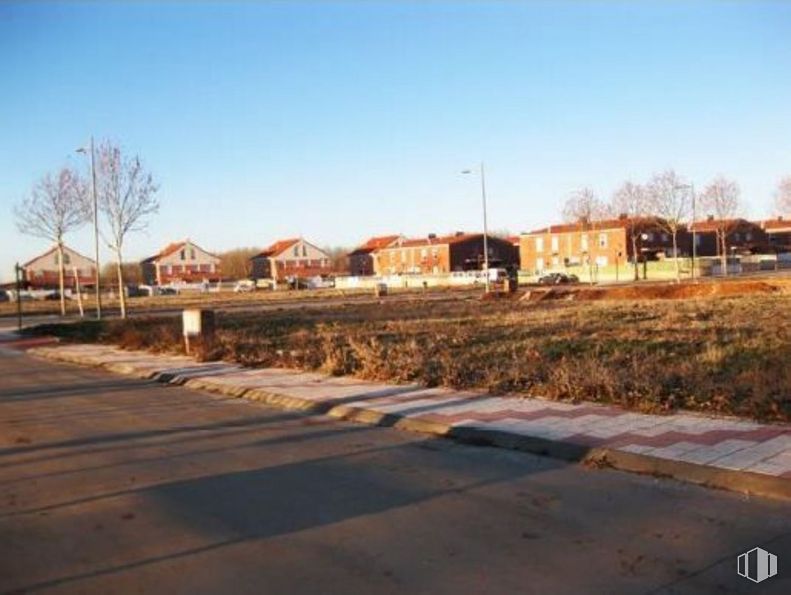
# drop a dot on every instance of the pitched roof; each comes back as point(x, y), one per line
point(51, 250)
point(277, 248)
point(714, 224)
point(375, 243)
point(777, 224)
point(172, 248)
point(436, 240)
point(583, 226)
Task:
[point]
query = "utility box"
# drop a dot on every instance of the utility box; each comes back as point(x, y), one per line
point(198, 328)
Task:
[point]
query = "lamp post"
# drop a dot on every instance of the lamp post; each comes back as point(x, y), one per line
point(485, 226)
point(691, 188)
point(97, 278)
point(18, 271)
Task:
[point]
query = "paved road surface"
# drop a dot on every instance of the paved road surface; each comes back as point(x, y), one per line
point(112, 485)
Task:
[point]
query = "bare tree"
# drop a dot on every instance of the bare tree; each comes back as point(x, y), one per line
point(721, 199)
point(54, 208)
point(236, 263)
point(584, 205)
point(669, 199)
point(127, 196)
point(339, 258)
point(783, 196)
point(631, 200)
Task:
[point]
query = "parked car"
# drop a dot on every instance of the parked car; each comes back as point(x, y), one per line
point(167, 291)
point(558, 279)
point(4, 297)
point(244, 286)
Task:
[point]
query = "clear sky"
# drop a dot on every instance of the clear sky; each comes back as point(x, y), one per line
point(337, 121)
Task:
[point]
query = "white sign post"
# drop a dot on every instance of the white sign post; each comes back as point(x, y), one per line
point(198, 326)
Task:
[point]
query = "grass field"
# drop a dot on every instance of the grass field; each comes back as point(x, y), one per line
point(717, 354)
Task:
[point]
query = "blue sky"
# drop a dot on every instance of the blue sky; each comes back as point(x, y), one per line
point(337, 121)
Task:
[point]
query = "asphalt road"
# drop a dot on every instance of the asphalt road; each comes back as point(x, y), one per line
point(113, 485)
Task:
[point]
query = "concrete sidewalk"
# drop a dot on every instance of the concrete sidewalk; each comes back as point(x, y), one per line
point(719, 452)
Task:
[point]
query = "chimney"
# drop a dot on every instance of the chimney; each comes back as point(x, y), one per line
point(710, 218)
point(459, 233)
point(623, 217)
point(432, 236)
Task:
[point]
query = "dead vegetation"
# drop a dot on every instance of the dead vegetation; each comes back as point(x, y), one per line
point(726, 355)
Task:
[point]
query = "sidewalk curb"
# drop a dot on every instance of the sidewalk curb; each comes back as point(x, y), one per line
point(598, 457)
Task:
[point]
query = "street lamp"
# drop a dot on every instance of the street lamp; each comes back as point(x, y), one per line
point(691, 188)
point(485, 227)
point(98, 279)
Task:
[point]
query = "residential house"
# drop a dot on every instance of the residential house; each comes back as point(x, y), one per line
point(515, 242)
point(43, 271)
point(778, 233)
point(361, 260)
point(457, 252)
point(294, 258)
point(181, 262)
point(601, 243)
point(741, 236)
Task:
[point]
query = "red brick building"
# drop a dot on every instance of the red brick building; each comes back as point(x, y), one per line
point(181, 262)
point(294, 258)
point(361, 260)
point(42, 272)
point(778, 233)
point(741, 236)
point(444, 254)
point(603, 243)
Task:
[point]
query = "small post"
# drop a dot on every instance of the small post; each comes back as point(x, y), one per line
point(198, 325)
point(17, 271)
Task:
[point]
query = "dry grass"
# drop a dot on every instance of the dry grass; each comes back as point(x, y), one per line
point(190, 299)
point(727, 355)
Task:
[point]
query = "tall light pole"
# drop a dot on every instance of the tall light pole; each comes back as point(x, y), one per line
point(485, 225)
point(691, 188)
point(98, 278)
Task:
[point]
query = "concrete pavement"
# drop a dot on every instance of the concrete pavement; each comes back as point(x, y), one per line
point(721, 452)
point(113, 485)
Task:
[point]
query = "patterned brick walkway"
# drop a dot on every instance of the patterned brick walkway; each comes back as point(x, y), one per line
point(719, 443)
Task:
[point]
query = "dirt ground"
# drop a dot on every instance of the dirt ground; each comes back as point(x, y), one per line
point(665, 291)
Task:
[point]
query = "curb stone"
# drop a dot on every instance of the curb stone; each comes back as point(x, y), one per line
point(597, 457)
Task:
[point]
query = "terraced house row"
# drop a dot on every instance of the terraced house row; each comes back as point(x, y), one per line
point(603, 243)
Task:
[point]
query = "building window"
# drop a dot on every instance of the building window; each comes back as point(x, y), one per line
point(555, 261)
point(183, 255)
point(748, 236)
point(304, 250)
point(423, 253)
point(584, 242)
point(539, 264)
point(192, 253)
point(555, 244)
point(296, 250)
point(601, 261)
point(665, 237)
point(649, 237)
point(539, 244)
point(602, 240)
